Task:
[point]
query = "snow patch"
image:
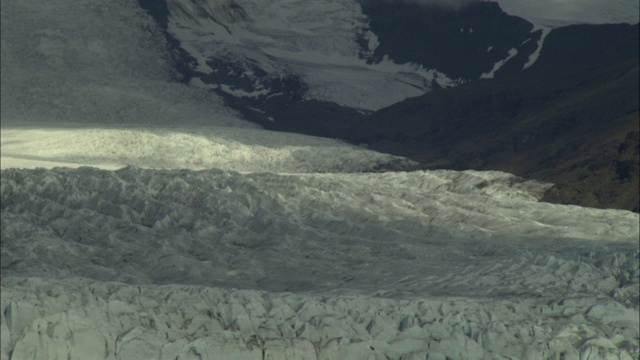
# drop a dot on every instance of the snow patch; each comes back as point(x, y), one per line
point(489, 75)
point(224, 240)
point(534, 56)
point(137, 263)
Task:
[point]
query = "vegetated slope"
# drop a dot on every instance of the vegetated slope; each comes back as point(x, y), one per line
point(569, 120)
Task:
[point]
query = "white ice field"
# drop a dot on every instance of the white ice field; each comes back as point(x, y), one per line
point(141, 219)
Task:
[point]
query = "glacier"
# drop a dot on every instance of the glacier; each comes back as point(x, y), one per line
point(292, 38)
point(143, 219)
point(144, 263)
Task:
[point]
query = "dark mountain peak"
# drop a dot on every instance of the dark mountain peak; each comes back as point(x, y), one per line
point(580, 48)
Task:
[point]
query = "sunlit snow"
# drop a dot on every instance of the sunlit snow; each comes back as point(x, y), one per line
point(141, 219)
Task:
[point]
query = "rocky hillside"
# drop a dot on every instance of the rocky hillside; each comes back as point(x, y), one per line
point(571, 119)
point(580, 133)
point(578, 129)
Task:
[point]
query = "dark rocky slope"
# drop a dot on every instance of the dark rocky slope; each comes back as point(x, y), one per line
point(579, 131)
point(571, 119)
point(461, 42)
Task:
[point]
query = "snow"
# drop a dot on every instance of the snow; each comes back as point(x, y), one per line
point(499, 64)
point(293, 37)
point(144, 220)
point(104, 254)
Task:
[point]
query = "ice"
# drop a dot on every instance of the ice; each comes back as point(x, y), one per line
point(89, 251)
point(293, 37)
point(145, 220)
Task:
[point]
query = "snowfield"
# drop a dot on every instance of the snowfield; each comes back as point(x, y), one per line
point(142, 219)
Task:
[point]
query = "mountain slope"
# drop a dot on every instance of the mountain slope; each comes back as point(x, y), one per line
point(556, 88)
point(227, 241)
point(580, 131)
point(462, 42)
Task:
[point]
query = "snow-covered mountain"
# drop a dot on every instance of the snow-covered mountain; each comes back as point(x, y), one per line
point(361, 54)
point(143, 218)
point(289, 51)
